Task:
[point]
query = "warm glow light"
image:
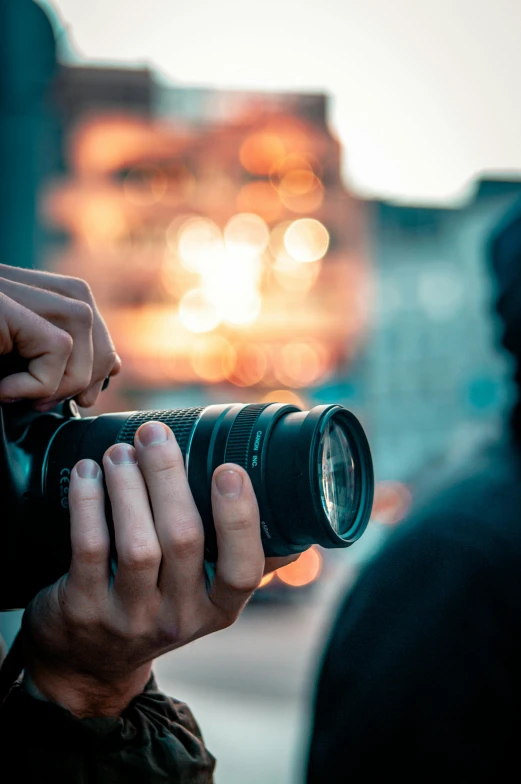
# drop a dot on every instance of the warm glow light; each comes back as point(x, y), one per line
point(304, 570)
point(246, 235)
point(294, 276)
point(196, 313)
point(260, 151)
point(299, 364)
point(213, 358)
point(102, 221)
point(262, 198)
point(300, 191)
point(231, 285)
point(277, 233)
point(199, 243)
point(392, 501)
point(306, 240)
point(250, 365)
point(290, 163)
point(285, 396)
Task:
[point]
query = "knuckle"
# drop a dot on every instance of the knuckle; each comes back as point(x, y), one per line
point(186, 544)
point(245, 581)
point(234, 524)
point(62, 343)
point(77, 288)
point(140, 558)
point(93, 551)
point(81, 313)
point(104, 361)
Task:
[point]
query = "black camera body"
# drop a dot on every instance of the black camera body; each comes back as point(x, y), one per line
point(311, 471)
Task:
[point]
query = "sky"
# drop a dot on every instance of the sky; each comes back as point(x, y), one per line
point(425, 94)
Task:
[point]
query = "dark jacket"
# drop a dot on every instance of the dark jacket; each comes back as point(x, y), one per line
point(421, 679)
point(422, 676)
point(156, 739)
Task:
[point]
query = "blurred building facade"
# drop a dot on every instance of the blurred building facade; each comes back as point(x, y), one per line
point(216, 232)
point(433, 377)
point(387, 309)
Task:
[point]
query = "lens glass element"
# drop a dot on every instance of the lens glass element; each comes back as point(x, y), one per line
point(336, 478)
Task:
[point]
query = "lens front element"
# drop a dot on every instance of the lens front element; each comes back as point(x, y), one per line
point(337, 483)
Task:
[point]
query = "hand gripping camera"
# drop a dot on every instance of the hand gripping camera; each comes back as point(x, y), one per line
point(311, 471)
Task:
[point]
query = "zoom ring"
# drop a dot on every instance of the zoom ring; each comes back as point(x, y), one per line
point(180, 420)
point(238, 443)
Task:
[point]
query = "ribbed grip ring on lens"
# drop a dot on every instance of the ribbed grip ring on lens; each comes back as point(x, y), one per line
point(241, 431)
point(180, 420)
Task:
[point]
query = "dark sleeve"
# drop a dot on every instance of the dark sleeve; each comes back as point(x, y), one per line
point(419, 681)
point(156, 739)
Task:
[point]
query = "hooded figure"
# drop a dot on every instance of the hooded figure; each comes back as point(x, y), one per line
point(421, 678)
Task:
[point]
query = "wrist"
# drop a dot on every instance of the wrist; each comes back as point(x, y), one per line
point(86, 696)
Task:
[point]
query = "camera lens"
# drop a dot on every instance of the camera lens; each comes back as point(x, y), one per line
point(311, 471)
point(337, 479)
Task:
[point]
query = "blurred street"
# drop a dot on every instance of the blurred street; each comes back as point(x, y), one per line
point(250, 686)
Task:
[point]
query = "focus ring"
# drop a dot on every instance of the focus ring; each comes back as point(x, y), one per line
point(238, 443)
point(180, 420)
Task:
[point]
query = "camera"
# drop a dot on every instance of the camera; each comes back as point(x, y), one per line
point(311, 471)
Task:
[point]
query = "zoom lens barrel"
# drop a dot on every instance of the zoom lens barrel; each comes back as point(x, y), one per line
point(311, 470)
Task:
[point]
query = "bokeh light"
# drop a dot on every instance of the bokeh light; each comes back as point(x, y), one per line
point(304, 570)
point(200, 244)
point(300, 364)
point(197, 313)
point(102, 221)
point(293, 276)
point(250, 365)
point(392, 502)
point(246, 235)
point(260, 151)
point(306, 240)
point(213, 358)
point(285, 396)
point(231, 285)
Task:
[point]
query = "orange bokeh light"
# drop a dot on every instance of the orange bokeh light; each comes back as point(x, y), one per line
point(285, 396)
point(260, 151)
point(299, 364)
point(250, 365)
point(304, 570)
point(392, 501)
point(213, 359)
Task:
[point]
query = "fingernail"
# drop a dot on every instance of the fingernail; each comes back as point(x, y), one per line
point(229, 483)
point(152, 433)
point(88, 469)
point(121, 454)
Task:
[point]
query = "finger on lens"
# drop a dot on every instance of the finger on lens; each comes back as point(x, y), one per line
point(137, 546)
point(90, 541)
point(240, 560)
point(178, 523)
